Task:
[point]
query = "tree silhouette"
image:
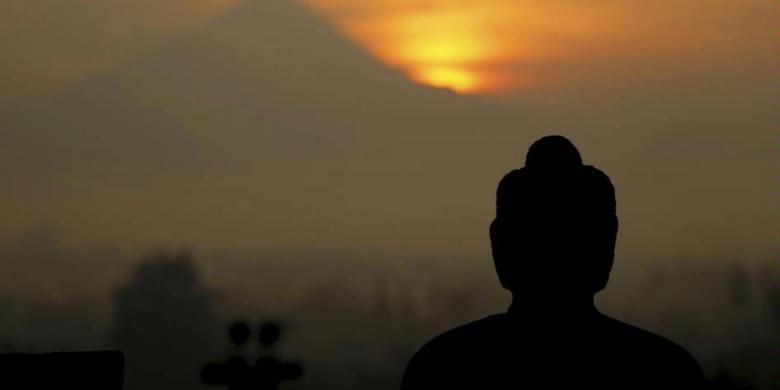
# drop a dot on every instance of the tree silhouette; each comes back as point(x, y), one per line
point(164, 323)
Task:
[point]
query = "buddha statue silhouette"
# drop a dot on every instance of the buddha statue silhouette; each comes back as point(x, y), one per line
point(553, 244)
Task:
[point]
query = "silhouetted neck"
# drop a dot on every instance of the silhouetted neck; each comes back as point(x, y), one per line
point(531, 310)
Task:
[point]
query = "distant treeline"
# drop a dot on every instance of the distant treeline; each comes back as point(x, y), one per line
point(353, 334)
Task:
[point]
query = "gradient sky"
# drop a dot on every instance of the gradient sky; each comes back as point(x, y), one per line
point(308, 126)
point(500, 45)
point(478, 47)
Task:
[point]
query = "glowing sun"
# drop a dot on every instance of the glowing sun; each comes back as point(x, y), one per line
point(470, 47)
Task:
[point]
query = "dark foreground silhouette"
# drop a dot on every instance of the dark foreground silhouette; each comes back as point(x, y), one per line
point(98, 370)
point(553, 241)
point(238, 373)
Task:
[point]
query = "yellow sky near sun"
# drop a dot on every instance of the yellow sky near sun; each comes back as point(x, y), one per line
point(495, 46)
point(468, 46)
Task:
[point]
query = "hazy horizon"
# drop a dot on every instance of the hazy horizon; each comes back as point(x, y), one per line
point(295, 144)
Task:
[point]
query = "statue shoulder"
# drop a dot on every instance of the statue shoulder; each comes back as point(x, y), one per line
point(444, 352)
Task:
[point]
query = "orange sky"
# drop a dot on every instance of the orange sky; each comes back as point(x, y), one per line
point(500, 45)
point(490, 46)
point(183, 94)
point(463, 45)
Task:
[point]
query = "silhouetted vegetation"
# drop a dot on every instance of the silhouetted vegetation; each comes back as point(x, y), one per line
point(358, 330)
point(163, 321)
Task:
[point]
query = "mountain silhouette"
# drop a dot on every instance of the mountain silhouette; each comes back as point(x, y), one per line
point(266, 101)
point(266, 73)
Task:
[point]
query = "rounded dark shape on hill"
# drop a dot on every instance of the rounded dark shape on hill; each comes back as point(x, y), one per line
point(236, 362)
point(212, 374)
point(239, 333)
point(237, 371)
point(269, 334)
point(292, 371)
point(553, 152)
point(268, 367)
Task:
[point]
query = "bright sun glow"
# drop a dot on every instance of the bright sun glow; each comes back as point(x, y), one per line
point(484, 47)
point(444, 77)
